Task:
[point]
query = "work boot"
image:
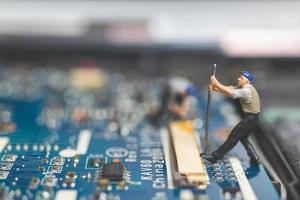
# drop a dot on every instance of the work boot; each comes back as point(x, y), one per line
point(210, 157)
point(254, 161)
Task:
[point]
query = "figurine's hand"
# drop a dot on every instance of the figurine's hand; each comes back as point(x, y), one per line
point(213, 81)
point(211, 88)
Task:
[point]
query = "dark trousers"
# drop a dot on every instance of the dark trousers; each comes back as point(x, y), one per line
point(241, 133)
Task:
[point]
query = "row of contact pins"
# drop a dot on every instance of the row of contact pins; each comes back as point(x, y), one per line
point(33, 147)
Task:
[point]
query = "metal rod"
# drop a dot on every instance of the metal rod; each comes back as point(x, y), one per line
point(206, 145)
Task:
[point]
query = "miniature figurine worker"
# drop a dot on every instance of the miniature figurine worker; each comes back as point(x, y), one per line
point(250, 104)
point(174, 102)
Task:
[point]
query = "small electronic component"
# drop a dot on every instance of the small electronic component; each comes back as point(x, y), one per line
point(103, 183)
point(44, 160)
point(44, 195)
point(34, 183)
point(9, 158)
point(6, 123)
point(49, 181)
point(121, 185)
point(55, 169)
point(7, 127)
point(72, 175)
point(69, 182)
point(95, 162)
point(187, 167)
point(6, 166)
point(41, 168)
point(76, 159)
point(3, 174)
point(57, 161)
point(79, 115)
point(113, 171)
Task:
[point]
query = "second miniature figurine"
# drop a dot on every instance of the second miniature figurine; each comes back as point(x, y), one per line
point(250, 104)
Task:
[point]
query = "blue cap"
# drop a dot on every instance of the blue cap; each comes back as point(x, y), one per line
point(191, 90)
point(247, 75)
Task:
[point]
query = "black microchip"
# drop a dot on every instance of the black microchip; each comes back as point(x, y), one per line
point(113, 171)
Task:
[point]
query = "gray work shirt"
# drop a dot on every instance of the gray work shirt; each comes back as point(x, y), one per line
point(244, 93)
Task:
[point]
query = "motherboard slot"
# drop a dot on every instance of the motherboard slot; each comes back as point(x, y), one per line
point(187, 167)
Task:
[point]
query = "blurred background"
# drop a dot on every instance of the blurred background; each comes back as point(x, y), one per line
point(166, 38)
point(163, 37)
